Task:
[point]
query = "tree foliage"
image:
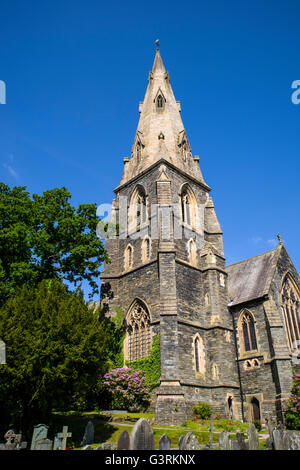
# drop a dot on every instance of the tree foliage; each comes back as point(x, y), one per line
point(292, 407)
point(57, 353)
point(45, 237)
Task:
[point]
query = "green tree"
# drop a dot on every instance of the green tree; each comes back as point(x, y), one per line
point(45, 237)
point(57, 352)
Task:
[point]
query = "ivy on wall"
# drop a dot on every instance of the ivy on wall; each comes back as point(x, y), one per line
point(150, 365)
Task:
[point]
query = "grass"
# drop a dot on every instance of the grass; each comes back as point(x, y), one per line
point(108, 427)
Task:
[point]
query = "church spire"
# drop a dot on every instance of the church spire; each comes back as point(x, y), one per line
point(160, 133)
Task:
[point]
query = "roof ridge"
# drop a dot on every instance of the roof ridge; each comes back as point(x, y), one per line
point(251, 257)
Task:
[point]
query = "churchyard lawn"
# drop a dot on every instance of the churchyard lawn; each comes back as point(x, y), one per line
point(108, 427)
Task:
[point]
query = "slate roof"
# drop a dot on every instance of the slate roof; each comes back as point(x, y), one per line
point(250, 279)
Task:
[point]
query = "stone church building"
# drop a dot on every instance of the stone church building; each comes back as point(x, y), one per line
point(228, 333)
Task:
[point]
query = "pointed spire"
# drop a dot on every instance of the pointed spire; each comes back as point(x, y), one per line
point(158, 66)
point(160, 133)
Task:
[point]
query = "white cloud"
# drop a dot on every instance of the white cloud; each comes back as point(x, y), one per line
point(272, 242)
point(256, 240)
point(11, 171)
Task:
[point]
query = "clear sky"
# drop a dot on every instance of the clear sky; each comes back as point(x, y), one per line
point(75, 71)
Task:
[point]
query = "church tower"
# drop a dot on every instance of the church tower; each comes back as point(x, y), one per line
point(167, 270)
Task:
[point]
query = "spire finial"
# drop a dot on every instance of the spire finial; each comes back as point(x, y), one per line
point(157, 44)
point(279, 238)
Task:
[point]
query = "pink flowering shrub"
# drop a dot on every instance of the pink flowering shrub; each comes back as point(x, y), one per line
point(128, 389)
point(292, 407)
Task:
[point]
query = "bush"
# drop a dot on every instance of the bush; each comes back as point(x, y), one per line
point(292, 407)
point(257, 424)
point(203, 410)
point(128, 389)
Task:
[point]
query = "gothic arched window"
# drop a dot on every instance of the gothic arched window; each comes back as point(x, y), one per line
point(198, 353)
point(248, 332)
point(160, 101)
point(146, 249)
point(188, 206)
point(290, 304)
point(137, 209)
point(192, 251)
point(138, 332)
point(128, 257)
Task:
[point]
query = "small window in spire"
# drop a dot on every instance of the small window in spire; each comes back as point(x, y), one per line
point(160, 101)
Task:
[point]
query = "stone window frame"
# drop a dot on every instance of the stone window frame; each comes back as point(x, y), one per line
point(222, 279)
point(291, 312)
point(201, 354)
point(145, 256)
point(137, 345)
point(188, 210)
point(157, 101)
point(240, 335)
point(192, 252)
point(138, 196)
point(215, 372)
point(128, 261)
point(250, 364)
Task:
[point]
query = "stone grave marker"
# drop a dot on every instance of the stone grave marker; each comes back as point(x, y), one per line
point(291, 440)
point(190, 442)
point(57, 443)
point(225, 442)
point(40, 431)
point(13, 441)
point(240, 443)
point(180, 441)
point(107, 446)
point(164, 442)
point(88, 437)
point(64, 436)
point(253, 437)
point(142, 437)
point(211, 431)
point(277, 439)
point(123, 441)
point(43, 444)
point(88, 448)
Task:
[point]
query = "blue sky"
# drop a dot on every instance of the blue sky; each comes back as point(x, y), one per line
point(76, 70)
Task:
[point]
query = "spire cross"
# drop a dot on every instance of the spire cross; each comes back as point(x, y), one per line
point(157, 44)
point(63, 436)
point(279, 238)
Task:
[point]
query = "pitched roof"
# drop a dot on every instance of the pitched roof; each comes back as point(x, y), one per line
point(250, 279)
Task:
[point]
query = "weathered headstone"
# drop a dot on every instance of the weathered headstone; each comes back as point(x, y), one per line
point(291, 440)
point(88, 437)
point(107, 446)
point(180, 441)
point(64, 436)
point(40, 431)
point(142, 437)
point(88, 448)
point(57, 443)
point(277, 439)
point(123, 441)
point(43, 444)
point(240, 443)
point(211, 431)
point(190, 442)
point(253, 437)
point(13, 441)
point(225, 442)
point(164, 442)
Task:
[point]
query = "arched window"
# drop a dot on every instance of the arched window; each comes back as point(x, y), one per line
point(160, 101)
point(198, 353)
point(146, 249)
point(248, 332)
point(137, 209)
point(138, 332)
point(188, 206)
point(192, 251)
point(290, 304)
point(128, 257)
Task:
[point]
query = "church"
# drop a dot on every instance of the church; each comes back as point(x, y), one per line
point(229, 335)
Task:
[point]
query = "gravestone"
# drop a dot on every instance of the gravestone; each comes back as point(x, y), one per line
point(123, 441)
point(40, 431)
point(253, 437)
point(291, 440)
point(88, 448)
point(180, 441)
point(190, 442)
point(88, 437)
point(13, 441)
point(164, 442)
point(240, 443)
point(277, 439)
point(141, 437)
point(57, 443)
point(211, 430)
point(64, 436)
point(225, 442)
point(43, 444)
point(107, 446)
